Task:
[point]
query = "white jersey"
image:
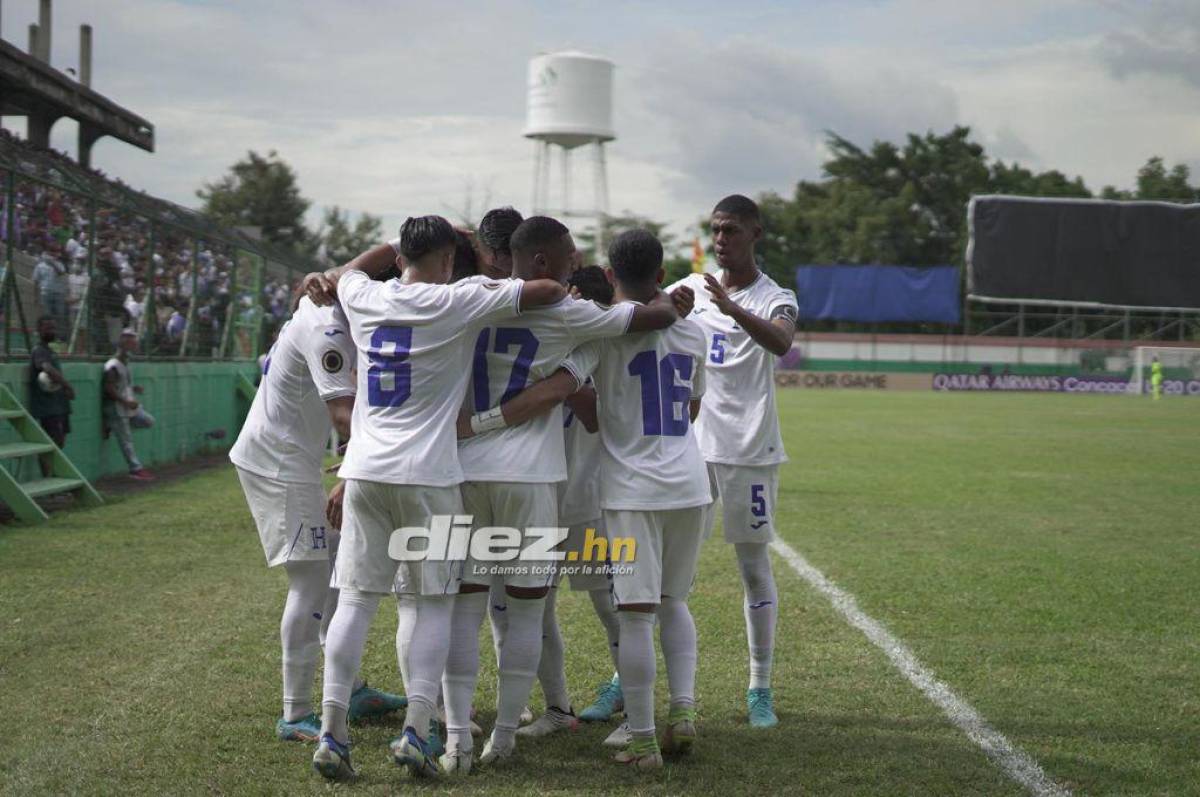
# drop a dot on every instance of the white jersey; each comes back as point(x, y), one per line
point(644, 383)
point(738, 423)
point(579, 495)
point(507, 359)
point(414, 343)
point(286, 432)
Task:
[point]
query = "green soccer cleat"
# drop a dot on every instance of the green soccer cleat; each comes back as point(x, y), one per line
point(305, 729)
point(609, 701)
point(410, 750)
point(332, 759)
point(680, 734)
point(761, 705)
point(642, 753)
point(368, 703)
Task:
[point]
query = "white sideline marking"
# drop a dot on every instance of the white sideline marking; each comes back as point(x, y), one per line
point(1016, 763)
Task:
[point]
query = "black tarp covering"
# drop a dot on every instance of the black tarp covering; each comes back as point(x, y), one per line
point(1140, 254)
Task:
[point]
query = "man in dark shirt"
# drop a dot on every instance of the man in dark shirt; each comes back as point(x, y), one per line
point(50, 393)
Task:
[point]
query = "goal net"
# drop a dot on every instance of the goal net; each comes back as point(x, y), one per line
point(1178, 362)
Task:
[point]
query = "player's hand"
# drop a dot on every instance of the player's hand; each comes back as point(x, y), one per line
point(319, 288)
point(574, 292)
point(139, 389)
point(464, 425)
point(684, 299)
point(69, 392)
point(130, 404)
point(720, 296)
point(333, 506)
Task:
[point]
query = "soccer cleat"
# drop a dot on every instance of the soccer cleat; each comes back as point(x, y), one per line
point(494, 755)
point(367, 703)
point(305, 729)
point(456, 762)
point(642, 753)
point(436, 738)
point(621, 737)
point(332, 759)
point(410, 750)
point(526, 716)
point(680, 734)
point(609, 701)
point(554, 720)
point(142, 475)
point(761, 705)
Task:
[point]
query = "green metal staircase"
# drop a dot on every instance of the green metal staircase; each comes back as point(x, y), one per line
point(34, 441)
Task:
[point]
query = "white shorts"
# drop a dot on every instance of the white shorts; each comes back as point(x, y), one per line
point(518, 505)
point(290, 519)
point(747, 494)
point(371, 512)
point(586, 565)
point(667, 550)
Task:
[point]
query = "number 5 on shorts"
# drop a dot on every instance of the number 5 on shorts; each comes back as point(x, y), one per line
point(758, 503)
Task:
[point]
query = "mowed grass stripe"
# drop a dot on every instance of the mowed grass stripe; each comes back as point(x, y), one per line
point(140, 656)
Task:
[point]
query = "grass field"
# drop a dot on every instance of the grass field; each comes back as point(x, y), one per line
point(1040, 554)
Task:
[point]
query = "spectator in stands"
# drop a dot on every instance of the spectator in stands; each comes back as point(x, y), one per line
point(135, 305)
point(122, 411)
point(50, 277)
point(177, 322)
point(77, 283)
point(50, 394)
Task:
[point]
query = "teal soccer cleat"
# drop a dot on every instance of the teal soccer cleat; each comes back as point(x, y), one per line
point(761, 705)
point(332, 760)
point(609, 701)
point(411, 751)
point(368, 703)
point(305, 729)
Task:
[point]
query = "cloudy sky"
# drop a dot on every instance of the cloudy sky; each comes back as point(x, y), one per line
point(401, 108)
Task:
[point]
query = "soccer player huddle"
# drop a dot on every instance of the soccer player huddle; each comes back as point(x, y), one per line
point(493, 390)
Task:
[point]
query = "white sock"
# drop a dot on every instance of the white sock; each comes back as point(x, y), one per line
point(406, 618)
point(300, 634)
point(761, 608)
point(425, 658)
point(637, 669)
point(462, 667)
point(552, 669)
point(498, 616)
point(677, 633)
point(344, 646)
point(607, 613)
point(518, 665)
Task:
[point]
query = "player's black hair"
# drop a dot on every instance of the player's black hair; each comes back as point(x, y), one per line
point(44, 318)
point(424, 234)
point(635, 256)
point(466, 261)
point(743, 207)
point(537, 231)
point(592, 284)
point(497, 226)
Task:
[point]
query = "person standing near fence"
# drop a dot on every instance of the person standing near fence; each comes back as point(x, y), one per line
point(122, 411)
point(50, 393)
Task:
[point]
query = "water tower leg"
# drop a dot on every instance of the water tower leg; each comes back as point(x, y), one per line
point(537, 176)
point(566, 181)
point(545, 176)
point(601, 186)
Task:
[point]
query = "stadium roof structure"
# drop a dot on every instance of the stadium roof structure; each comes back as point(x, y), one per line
point(30, 87)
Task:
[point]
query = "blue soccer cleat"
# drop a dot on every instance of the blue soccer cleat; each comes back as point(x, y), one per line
point(609, 700)
point(305, 729)
point(410, 750)
point(761, 705)
point(368, 703)
point(332, 759)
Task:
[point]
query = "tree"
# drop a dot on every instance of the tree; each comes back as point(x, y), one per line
point(262, 192)
point(675, 263)
point(1155, 182)
point(340, 241)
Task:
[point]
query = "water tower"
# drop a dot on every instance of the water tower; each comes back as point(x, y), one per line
point(570, 106)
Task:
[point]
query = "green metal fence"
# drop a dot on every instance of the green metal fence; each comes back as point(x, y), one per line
point(99, 257)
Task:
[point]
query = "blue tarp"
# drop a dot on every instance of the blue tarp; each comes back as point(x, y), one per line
point(879, 293)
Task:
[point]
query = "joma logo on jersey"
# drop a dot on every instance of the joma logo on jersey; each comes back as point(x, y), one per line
point(450, 538)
